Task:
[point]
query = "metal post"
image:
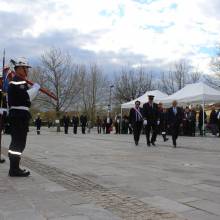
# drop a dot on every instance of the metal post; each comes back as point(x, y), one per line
point(121, 122)
point(110, 99)
point(203, 117)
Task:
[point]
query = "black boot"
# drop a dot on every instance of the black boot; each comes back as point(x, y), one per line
point(15, 171)
point(18, 173)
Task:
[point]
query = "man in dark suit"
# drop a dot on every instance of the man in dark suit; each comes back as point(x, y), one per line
point(75, 121)
point(213, 120)
point(38, 123)
point(83, 122)
point(151, 120)
point(175, 116)
point(136, 121)
point(162, 127)
point(66, 122)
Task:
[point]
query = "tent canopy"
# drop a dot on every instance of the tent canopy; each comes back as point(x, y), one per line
point(144, 98)
point(194, 93)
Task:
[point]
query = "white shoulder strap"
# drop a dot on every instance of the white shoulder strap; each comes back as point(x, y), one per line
point(138, 113)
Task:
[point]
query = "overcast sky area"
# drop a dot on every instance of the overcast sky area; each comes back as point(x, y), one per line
point(113, 33)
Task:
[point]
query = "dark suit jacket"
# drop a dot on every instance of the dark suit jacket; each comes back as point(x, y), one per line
point(75, 120)
point(132, 115)
point(175, 119)
point(83, 120)
point(38, 122)
point(66, 120)
point(151, 114)
point(213, 117)
point(200, 119)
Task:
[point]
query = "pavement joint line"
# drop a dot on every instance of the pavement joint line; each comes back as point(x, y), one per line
point(195, 207)
point(160, 145)
point(125, 206)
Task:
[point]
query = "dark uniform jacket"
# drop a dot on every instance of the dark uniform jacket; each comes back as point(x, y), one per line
point(151, 114)
point(18, 98)
point(38, 122)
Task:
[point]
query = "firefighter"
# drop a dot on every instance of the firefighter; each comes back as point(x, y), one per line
point(38, 123)
point(19, 102)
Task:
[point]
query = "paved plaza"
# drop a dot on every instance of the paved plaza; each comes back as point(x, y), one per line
point(107, 177)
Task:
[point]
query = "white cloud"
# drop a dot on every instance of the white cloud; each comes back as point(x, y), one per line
point(163, 30)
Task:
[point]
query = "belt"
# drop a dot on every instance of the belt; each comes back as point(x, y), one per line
point(4, 109)
point(19, 108)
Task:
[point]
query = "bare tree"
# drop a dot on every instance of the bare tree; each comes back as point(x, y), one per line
point(167, 83)
point(176, 78)
point(94, 90)
point(214, 80)
point(181, 71)
point(60, 76)
point(131, 84)
point(194, 76)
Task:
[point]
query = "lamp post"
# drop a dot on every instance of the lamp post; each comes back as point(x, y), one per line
point(110, 98)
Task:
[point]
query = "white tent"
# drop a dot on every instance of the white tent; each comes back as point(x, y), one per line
point(144, 98)
point(194, 93)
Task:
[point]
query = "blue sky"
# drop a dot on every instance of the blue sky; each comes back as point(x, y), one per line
point(113, 33)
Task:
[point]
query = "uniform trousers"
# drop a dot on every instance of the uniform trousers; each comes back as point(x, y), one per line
point(174, 128)
point(148, 128)
point(19, 129)
point(38, 129)
point(66, 129)
point(137, 127)
point(83, 129)
point(75, 129)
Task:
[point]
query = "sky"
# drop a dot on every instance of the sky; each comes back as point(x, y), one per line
point(113, 33)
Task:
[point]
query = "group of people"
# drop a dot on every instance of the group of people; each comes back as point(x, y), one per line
point(16, 106)
point(76, 122)
point(154, 118)
point(104, 125)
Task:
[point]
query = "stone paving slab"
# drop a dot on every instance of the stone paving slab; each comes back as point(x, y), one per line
point(183, 181)
point(182, 177)
point(166, 204)
point(200, 215)
point(208, 188)
point(29, 198)
point(207, 206)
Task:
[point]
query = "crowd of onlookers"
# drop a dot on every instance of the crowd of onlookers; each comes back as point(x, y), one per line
point(192, 122)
